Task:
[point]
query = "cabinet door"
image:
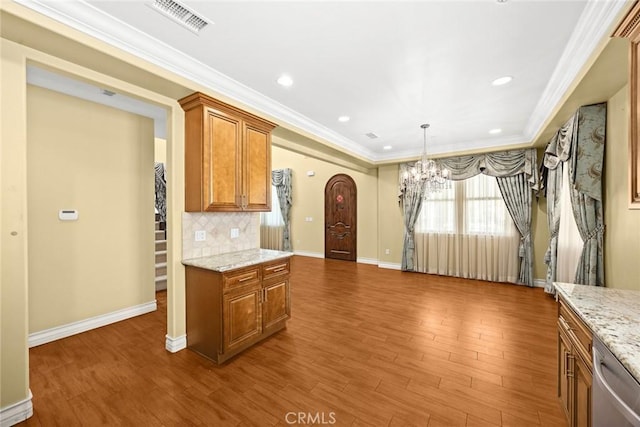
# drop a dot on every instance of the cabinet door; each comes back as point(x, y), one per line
point(242, 318)
point(257, 173)
point(582, 378)
point(277, 303)
point(565, 380)
point(221, 168)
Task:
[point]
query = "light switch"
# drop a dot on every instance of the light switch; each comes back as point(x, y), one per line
point(201, 235)
point(235, 233)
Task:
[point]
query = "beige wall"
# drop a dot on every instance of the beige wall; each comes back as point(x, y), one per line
point(622, 232)
point(390, 220)
point(160, 150)
point(308, 201)
point(98, 160)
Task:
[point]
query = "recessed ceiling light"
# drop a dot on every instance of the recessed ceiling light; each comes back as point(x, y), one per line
point(387, 147)
point(502, 81)
point(495, 131)
point(285, 80)
point(344, 119)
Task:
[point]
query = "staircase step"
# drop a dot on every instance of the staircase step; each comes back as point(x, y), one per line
point(161, 256)
point(161, 268)
point(161, 278)
point(161, 245)
point(160, 235)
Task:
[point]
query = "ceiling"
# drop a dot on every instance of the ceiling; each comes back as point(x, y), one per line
point(388, 65)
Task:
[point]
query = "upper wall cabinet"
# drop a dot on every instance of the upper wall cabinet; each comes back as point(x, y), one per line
point(227, 157)
point(630, 29)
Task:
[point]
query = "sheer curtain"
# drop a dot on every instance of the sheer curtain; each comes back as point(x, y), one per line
point(272, 225)
point(466, 231)
point(569, 241)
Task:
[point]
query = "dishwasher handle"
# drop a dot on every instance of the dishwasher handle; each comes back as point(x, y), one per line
point(620, 404)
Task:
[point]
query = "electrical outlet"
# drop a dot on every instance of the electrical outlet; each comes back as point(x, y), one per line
point(387, 251)
point(235, 233)
point(201, 235)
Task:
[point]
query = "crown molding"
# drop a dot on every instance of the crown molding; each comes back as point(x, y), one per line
point(593, 27)
point(90, 20)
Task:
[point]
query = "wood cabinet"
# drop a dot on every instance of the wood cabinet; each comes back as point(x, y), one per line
point(629, 28)
point(575, 368)
point(227, 157)
point(230, 311)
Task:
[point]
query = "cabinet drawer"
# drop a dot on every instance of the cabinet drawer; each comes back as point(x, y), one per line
point(577, 330)
point(279, 268)
point(235, 279)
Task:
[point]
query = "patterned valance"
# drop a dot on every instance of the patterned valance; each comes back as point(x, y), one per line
point(499, 164)
point(580, 142)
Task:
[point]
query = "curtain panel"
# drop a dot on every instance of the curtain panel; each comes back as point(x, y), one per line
point(516, 193)
point(281, 179)
point(500, 164)
point(161, 191)
point(578, 146)
point(411, 197)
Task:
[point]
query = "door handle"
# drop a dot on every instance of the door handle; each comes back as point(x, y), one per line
point(616, 400)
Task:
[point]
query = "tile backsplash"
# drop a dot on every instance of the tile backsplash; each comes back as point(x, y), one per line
point(218, 226)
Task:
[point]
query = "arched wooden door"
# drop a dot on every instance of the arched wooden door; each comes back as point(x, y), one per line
point(340, 213)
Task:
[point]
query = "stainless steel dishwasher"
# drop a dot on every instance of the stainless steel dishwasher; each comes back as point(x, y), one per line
point(615, 393)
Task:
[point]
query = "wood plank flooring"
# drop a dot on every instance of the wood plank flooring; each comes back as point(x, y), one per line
point(365, 347)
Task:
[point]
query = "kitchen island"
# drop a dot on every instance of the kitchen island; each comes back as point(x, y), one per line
point(235, 300)
point(598, 331)
point(613, 315)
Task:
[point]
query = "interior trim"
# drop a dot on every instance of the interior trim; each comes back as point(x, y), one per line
point(173, 345)
point(58, 332)
point(20, 411)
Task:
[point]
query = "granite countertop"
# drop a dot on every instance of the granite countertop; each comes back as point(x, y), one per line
point(613, 315)
point(235, 260)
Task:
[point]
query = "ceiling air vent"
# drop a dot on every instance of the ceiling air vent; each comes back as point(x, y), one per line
point(372, 135)
point(181, 14)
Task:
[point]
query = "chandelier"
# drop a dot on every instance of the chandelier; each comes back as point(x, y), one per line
point(429, 172)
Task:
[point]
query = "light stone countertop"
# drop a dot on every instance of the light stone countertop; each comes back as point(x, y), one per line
point(234, 260)
point(613, 315)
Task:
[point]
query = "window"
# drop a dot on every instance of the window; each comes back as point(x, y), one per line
point(273, 218)
point(473, 206)
point(467, 232)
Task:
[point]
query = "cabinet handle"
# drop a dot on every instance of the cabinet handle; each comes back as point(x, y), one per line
point(264, 291)
point(244, 279)
point(277, 270)
point(570, 358)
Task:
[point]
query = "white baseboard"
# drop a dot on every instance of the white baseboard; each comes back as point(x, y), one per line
point(18, 412)
point(48, 335)
point(367, 261)
point(390, 265)
point(539, 283)
point(309, 254)
point(173, 345)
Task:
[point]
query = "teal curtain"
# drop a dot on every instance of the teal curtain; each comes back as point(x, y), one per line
point(161, 191)
point(520, 163)
point(556, 154)
point(585, 171)
point(516, 193)
point(411, 197)
point(281, 179)
point(578, 146)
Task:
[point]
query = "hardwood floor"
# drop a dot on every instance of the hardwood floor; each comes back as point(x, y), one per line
point(365, 346)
